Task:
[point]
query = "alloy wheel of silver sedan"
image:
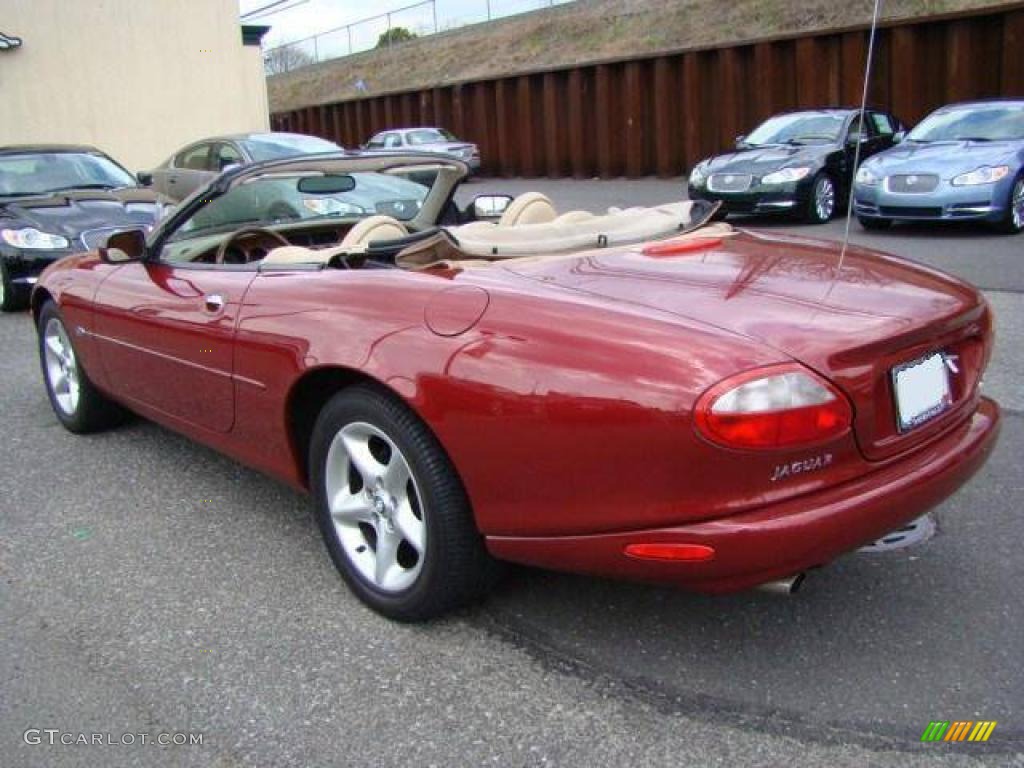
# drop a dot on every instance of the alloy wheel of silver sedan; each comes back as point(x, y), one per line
point(376, 507)
point(1017, 205)
point(61, 366)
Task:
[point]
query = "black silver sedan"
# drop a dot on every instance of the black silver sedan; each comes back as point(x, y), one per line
point(798, 163)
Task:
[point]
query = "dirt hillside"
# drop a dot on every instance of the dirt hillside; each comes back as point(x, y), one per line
point(584, 31)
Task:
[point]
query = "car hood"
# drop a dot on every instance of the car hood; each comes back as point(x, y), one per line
point(945, 158)
point(759, 161)
point(74, 212)
point(787, 292)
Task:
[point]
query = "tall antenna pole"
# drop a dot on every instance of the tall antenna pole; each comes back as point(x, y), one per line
point(863, 126)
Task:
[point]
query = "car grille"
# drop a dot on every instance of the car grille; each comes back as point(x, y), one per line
point(730, 182)
point(912, 184)
point(910, 211)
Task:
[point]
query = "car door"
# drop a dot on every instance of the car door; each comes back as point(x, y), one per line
point(191, 168)
point(165, 333)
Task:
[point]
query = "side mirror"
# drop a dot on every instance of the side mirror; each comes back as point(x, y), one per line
point(856, 138)
point(125, 246)
point(145, 178)
point(229, 167)
point(898, 137)
point(491, 206)
point(739, 141)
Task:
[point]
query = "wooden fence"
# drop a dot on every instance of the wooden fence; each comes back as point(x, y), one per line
point(662, 114)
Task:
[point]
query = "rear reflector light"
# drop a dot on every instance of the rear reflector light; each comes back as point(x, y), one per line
point(692, 553)
point(778, 407)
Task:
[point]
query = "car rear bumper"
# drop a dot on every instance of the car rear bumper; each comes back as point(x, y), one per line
point(975, 203)
point(783, 539)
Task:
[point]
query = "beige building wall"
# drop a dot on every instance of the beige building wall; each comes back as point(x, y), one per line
point(136, 78)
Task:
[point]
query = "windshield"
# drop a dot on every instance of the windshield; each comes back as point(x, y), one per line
point(35, 173)
point(797, 128)
point(274, 146)
point(269, 200)
point(428, 136)
point(1002, 122)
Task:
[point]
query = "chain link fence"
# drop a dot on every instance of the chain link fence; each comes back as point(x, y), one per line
point(392, 28)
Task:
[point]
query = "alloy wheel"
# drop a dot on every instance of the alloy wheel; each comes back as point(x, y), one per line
point(824, 198)
point(1017, 205)
point(375, 507)
point(61, 366)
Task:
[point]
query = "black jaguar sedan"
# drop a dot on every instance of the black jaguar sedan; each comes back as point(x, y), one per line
point(798, 163)
point(56, 200)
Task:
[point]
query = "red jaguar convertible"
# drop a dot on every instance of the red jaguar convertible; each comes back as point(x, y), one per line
point(640, 394)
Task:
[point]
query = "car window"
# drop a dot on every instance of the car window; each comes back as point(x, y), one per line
point(266, 201)
point(984, 122)
point(883, 123)
point(392, 140)
point(34, 173)
point(227, 155)
point(194, 159)
point(798, 128)
point(427, 136)
point(271, 146)
point(377, 142)
point(854, 132)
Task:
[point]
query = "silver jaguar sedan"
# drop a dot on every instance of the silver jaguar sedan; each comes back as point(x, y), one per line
point(963, 161)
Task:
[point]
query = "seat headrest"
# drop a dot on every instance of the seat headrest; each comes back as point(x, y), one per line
point(528, 208)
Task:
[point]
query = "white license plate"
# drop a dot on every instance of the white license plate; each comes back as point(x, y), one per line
point(922, 391)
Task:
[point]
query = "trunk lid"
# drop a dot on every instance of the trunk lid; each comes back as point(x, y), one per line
point(851, 324)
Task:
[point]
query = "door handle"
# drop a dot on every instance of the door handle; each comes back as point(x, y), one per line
point(214, 302)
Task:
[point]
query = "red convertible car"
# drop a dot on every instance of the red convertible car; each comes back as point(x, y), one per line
point(638, 395)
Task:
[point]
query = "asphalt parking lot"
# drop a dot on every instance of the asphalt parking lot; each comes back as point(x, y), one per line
point(150, 585)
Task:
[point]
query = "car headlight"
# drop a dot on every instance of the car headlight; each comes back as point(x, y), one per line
point(786, 175)
point(698, 176)
point(867, 178)
point(31, 239)
point(328, 206)
point(984, 175)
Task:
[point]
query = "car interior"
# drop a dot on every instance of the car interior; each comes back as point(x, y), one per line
point(490, 229)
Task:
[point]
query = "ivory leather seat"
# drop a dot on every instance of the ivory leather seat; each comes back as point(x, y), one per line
point(369, 230)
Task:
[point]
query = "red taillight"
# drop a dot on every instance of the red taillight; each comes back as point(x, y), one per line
point(777, 407)
point(680, 553)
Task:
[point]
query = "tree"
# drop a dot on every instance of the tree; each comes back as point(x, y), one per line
point(285, 58)
point(395, 35)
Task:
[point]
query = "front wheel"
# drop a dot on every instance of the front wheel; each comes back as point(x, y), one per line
point(393, 513)
point(821, 205)
point(79, 406)
point(1013, 224)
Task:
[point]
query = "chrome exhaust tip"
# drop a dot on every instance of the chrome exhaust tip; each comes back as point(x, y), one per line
point(783, 586)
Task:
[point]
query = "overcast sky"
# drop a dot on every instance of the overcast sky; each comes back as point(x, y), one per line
point(298, 19)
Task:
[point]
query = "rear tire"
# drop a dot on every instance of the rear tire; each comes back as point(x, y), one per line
point(1013, 224)
point(79, 406)
point(821, 205)
point(874, 225)
point(394, 515)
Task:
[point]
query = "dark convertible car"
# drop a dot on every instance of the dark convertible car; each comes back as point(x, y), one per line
point(798, 163)
point(56, 200)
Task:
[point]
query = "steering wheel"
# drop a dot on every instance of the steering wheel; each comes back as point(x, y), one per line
point(222, 249)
